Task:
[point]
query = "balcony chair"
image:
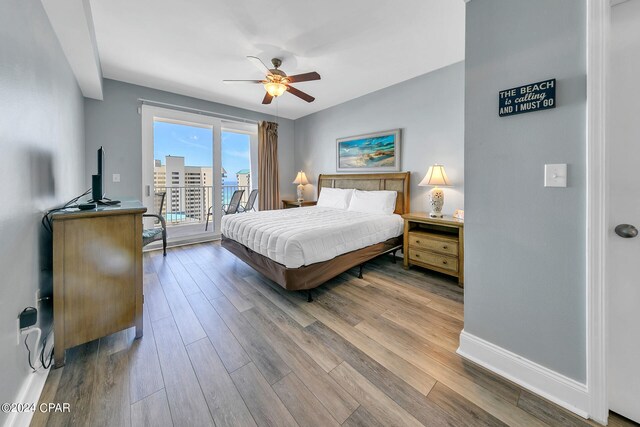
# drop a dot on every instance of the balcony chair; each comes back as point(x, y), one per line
point(227, 209)
point(249, 206)
point(152, 234)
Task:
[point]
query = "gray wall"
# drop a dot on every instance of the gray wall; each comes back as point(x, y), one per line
point(116, 125)
point(428, 108)
point(525, 244)
point(41, 141)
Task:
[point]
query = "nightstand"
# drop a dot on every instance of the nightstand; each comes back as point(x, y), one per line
point(434, 243)
point(286, 204)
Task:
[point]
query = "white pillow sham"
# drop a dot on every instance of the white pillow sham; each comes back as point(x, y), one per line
point(337, 198)
point(376, 202)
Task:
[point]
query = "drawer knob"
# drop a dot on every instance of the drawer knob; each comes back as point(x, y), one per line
point(444, 261)
point(445, 247)
point(417, 255)
point(417, 241)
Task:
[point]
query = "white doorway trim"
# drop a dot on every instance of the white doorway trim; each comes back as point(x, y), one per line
point(597, 35)
point(149, 114)
point(250, 129)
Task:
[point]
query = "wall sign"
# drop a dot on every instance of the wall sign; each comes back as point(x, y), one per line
point(528, 98)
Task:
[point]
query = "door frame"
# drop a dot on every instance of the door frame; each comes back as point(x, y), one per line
point(250, 129)
point(598, 20)
point(149, 114)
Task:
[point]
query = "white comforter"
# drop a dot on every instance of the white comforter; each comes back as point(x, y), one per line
point(303, 236)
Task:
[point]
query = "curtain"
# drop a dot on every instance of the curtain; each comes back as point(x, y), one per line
point(268, 175)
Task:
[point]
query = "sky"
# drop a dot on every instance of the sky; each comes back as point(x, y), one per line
point(194, 144)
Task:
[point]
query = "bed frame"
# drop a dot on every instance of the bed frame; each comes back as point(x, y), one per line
point(311, 276)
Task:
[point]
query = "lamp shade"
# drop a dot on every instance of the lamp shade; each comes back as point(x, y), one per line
point(301, 179)
point(435, 176)
point(275, 88)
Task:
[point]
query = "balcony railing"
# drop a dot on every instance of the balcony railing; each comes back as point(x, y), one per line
point(190, 204)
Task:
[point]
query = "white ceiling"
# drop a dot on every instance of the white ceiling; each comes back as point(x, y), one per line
point(357, 46)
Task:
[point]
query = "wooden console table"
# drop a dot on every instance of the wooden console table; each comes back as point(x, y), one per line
point(97, 274)
point(434, 243)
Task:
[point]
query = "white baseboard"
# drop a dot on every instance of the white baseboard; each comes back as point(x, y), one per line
point(29, 394)
point(551, 385)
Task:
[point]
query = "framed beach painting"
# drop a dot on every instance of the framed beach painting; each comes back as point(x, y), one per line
point(372, 152)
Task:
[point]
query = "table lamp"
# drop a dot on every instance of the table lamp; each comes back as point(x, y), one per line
point(301, 180)
point(435, 176)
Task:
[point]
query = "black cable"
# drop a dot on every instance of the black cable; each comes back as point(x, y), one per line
point(25, 341)
point(78, 198)
point(50, 356)
point(46, 219)
point(29, 351)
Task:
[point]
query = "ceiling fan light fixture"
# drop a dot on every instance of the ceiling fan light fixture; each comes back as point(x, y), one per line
point(276, 82)
point(275, 89)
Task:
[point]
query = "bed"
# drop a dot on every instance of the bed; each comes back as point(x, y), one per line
point(301, 248)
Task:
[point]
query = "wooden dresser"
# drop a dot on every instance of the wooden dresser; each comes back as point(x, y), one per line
point(97, 274)
point(434, 243)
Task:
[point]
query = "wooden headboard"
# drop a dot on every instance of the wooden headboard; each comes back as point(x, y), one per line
point(395, 181)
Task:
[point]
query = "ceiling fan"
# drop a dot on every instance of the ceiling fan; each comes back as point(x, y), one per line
point(276, 82)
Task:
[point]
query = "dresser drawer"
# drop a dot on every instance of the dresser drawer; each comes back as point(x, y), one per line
point(433, 242)
point(437, 260)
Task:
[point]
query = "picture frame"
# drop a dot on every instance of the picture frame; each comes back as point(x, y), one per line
point(370, 152)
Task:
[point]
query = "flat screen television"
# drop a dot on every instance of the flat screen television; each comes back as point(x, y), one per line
point(100, 160)
point(97, 182)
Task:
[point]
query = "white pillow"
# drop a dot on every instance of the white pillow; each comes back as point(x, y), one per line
point(378, 202)
point(334, 198)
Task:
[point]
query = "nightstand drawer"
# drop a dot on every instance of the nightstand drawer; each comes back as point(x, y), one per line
point(441, 261)
point(433, 242)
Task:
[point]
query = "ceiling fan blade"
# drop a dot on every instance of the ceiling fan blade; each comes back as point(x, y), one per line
point(300, 94)
point(259, 64)
point(267, 98)
point(304, 77)
point(231, 82)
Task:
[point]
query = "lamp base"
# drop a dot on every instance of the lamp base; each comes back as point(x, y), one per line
point(300, 193)
point(436, 201)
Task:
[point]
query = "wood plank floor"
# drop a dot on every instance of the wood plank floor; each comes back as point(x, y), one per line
point(223, 346)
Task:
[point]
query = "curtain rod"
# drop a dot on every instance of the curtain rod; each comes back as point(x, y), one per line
point(197, 110)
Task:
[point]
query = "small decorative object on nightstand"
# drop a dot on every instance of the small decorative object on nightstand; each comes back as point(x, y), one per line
point(434, 243)
point(435, 176)
point(286, 204)
point(301, 180)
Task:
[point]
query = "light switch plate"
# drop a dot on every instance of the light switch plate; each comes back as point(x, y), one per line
point(116, 177)
point(555, 175)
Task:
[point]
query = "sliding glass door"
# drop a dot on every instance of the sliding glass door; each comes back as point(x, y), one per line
point(191, 164)
point(236, 162)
